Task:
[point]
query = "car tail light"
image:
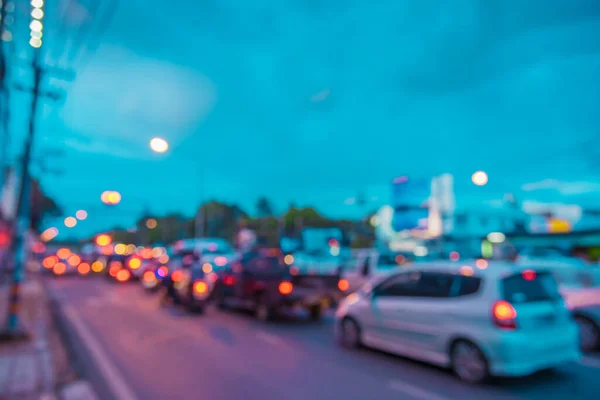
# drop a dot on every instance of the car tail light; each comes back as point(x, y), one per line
point(113, 271)
point(177, 276)
point(229, 280)
point(504, 315)
point(123, 275)
point(84, 268)
point(149, 276)
point(200, 287)
point(528, 274)
point(285, 288)
point(343, 285)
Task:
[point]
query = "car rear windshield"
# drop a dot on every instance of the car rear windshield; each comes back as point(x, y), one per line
point(528, 287)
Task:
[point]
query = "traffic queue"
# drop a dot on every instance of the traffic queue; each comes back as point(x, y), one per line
point(478, 318)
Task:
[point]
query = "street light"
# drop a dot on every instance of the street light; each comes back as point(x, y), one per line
point(110, 197)
point(479, 178)
point(70, 222)
point(159, 145)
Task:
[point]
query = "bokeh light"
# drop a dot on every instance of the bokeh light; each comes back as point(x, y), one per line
point(84, 268)
point(74, 260)
point(159, 145)
point(151, 223)
point(70, 222)
point(63, 253)
point(479, 178)
point(103, 239)
point(81, 215)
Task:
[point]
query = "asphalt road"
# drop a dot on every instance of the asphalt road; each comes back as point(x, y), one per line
point(146, 351)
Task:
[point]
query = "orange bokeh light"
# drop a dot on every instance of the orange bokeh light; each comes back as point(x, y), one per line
point(146, 253)
point(49, 262)
point(177, 276)
point(74, 260)
point(59, 268)
point(63, 253)
point(123, 275)
point(103, 240)
point(84, 268)
point(343, 285)
point(285, 288)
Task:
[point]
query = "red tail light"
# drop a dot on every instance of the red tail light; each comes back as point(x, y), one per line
point(229, 280)
point(343, 285)
point(285, 288)
point(528, 275)
point(504, 315)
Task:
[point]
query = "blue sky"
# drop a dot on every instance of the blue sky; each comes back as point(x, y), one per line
point(311, 101)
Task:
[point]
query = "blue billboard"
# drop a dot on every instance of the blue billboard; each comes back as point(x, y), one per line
point(410, 202)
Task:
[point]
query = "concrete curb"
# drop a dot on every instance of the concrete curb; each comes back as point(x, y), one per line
point(91, 385)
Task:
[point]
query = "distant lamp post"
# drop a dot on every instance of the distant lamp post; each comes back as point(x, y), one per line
point(159, 145)
point(151, 223)
point(479, 178)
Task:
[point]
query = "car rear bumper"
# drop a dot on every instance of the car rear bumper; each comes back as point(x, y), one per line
point(522, 355)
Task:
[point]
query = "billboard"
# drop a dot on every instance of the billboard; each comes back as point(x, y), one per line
point(410, 201)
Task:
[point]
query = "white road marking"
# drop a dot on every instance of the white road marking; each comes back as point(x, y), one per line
point(116, 382)
point(590, 362)
point(414, 391)
point(268, 338)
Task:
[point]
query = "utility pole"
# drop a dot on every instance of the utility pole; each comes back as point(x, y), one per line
point(13, 329)
point(6, 9)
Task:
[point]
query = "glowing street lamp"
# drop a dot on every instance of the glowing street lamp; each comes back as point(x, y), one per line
point(159, 145)
point(70, 222)
point(479, 178)
point(36, 26)
point(110, 197)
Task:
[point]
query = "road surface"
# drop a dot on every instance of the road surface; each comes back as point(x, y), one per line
point(145, 351)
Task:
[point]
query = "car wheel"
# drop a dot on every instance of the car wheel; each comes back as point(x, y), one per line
point(349, 333)
point(468, 362)
point(589, 334)
point(263, 311)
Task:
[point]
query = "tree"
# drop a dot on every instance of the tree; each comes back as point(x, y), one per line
point(41, 206)
point(263, 207)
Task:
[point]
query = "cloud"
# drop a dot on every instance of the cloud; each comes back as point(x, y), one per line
point(565, 188)
point(127, 99)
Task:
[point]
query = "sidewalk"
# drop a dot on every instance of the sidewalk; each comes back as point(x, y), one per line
point(39, 368)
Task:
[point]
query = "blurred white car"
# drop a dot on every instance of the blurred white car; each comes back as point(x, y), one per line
point(579, 284)
point(494, 320)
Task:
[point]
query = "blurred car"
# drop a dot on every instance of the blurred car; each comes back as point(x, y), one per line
point(480, 322)
point(579, 284)
point(216, 252)
point(262, 282)
point(192, 288)
point(369, 263)
point(117, 269)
